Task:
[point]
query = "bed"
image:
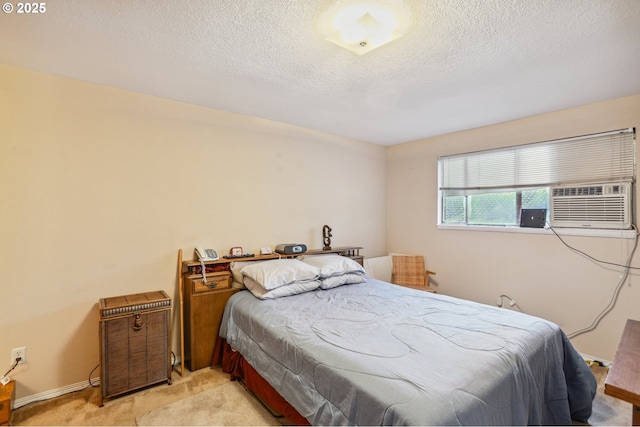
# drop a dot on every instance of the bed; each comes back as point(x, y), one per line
point(366, 352)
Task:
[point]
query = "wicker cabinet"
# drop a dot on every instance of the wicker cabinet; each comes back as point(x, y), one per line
point(134, 342)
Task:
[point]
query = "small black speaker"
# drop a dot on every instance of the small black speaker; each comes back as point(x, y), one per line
point(291, 248)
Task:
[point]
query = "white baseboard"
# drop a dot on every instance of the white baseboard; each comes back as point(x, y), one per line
point(45, 395)
point(50, 394)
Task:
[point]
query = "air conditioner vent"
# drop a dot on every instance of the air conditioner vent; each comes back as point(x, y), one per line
point(591, 206)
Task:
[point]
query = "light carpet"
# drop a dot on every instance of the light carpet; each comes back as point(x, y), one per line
point(226, 405)
point(82, 408)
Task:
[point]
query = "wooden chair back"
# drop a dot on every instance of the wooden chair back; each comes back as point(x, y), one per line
point(408, 270)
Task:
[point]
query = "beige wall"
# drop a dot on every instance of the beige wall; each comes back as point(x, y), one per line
point(100, 188)
point(543, 276)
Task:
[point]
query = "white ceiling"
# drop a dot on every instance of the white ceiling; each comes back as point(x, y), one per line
point(463, 63)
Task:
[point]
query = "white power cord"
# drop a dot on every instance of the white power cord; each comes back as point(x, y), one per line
point(5, 379)
point(614, 297)
point(512, 302)
point(204, 271)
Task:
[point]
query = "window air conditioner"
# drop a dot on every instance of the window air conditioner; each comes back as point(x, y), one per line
point(591, 206)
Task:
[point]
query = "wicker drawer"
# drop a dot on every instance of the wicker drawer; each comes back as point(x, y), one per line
point(215, 281)
point(135, 339)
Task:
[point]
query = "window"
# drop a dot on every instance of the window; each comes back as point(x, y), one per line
point(489, 188)
point(493, 208)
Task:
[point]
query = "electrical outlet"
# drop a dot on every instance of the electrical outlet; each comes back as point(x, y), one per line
point(20, 352)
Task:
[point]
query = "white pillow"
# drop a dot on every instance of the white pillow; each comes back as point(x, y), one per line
point(236, 268)
point(279, 272)
point(344, 279)
point(334, 265)
point(281, 291)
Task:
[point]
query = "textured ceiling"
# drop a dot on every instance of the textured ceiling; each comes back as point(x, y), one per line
point(462, 64)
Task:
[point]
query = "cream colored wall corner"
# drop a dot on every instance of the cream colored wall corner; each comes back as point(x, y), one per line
point(101, 187)
point(543, 276)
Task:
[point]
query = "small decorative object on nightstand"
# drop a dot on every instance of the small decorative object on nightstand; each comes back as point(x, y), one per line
point(326, 238)
point(6, 398)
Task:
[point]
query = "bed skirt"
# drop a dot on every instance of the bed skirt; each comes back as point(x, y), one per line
point(237, 366)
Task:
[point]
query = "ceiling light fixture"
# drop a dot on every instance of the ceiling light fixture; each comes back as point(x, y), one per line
point(361, 26)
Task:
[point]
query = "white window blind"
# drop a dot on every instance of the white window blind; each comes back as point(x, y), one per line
point(603, 157)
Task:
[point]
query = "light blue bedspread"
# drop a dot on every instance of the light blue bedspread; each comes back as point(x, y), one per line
point(379, 354)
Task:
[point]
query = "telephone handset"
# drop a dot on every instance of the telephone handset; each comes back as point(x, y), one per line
point(206, 255)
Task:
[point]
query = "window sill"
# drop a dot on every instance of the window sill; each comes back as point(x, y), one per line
point(586, 232)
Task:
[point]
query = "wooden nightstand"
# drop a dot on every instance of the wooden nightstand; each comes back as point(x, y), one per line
point(623, 380)
point(6, 399)
point(203, 307)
